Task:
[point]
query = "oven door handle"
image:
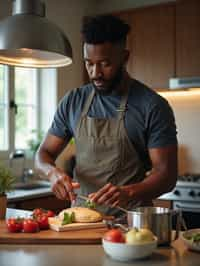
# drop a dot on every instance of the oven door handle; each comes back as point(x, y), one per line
point(186, 207)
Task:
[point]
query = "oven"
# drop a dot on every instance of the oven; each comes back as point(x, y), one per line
point(190, 213)
point(186, 198)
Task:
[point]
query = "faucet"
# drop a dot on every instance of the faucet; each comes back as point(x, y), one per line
point(26, 172)
point(17, 154)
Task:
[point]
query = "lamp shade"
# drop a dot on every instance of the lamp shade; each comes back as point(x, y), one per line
point(28, 39)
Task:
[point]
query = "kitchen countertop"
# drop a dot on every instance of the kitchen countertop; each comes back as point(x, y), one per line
point(94, 255)
point(85, 255)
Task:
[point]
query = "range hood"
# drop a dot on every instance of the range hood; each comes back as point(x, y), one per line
point(184, 83)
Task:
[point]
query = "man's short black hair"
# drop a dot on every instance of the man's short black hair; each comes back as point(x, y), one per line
point(104, 28)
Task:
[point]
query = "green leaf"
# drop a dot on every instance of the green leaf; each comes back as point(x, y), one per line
point(89, 204)
point(68, 218)
point(72, 141)
point(196, 237)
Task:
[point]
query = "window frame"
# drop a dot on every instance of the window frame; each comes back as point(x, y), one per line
point(6, 102)
point(10, 83)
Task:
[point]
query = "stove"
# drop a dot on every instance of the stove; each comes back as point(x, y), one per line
point(187, 189)
point(186, 198)
point(189, 178)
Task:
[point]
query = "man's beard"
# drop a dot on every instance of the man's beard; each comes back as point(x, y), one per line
point(113, 84)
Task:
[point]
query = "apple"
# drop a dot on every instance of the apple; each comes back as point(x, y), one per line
point(136, 236)
point(131, 236)
point(144, 235)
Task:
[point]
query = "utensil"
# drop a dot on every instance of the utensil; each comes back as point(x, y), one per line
point(158, 220)
point(112, 224)
point(116, 207)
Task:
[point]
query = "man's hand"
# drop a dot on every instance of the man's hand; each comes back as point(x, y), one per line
point(111, 195)
point(62, 185)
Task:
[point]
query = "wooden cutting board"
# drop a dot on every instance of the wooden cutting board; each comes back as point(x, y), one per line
point(56, 225)
point(79, 236)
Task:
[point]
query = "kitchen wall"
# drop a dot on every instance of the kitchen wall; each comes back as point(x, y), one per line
point(186, 106)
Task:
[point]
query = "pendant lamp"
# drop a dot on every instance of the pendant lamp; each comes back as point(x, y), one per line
point(28, 39)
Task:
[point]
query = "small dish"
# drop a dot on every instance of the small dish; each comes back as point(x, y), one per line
point(188, 238)
point(127, 252)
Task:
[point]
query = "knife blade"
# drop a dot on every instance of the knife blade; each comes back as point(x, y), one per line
point(116, 207)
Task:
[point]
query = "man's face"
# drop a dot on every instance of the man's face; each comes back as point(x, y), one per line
point(104, 63)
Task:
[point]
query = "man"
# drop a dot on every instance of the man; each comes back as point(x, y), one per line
point(122, 129)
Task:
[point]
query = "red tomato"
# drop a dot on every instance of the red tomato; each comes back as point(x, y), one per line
point(30, 226)
point(50, 213)
point(114, 235)
point(42, 221)
point(38, 211)
point(14, 225)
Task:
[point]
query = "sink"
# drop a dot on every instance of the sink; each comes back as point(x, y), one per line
point(31, 185)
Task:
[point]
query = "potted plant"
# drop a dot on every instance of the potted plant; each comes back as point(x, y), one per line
point(6, 183)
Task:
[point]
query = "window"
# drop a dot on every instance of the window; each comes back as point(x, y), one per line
point(24, 105)
point(3, 109)
point(26, 99)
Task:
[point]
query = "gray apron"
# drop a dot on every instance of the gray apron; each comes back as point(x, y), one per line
point(105, 154)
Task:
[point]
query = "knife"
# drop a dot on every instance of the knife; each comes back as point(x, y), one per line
point(116, 207)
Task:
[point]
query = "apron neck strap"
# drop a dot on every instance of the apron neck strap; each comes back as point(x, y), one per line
point(88, 103)
point(121, 110)
point(123, 105)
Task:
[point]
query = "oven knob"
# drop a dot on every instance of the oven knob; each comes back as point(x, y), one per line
point(192, 193)
point(177, 192)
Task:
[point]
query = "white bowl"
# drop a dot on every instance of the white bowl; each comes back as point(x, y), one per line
point(189, 243)
point(126, 252)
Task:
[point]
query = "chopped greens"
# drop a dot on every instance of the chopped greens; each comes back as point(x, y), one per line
point(195, 238)
point(89, 204)
point(68, 218)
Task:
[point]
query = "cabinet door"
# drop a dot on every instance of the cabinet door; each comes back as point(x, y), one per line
point(188, 38)
point(152, 44)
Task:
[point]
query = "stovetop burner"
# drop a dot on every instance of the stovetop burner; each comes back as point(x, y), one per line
point(189, 177)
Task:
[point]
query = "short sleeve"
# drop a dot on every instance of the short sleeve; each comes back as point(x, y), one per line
point(161, 125)
point(60, 126)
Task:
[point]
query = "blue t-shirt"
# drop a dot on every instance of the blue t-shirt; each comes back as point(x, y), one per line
point(149, 119)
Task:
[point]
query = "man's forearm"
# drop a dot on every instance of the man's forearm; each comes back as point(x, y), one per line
point(152, 186)
point(163, 176)
point(44, 164)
